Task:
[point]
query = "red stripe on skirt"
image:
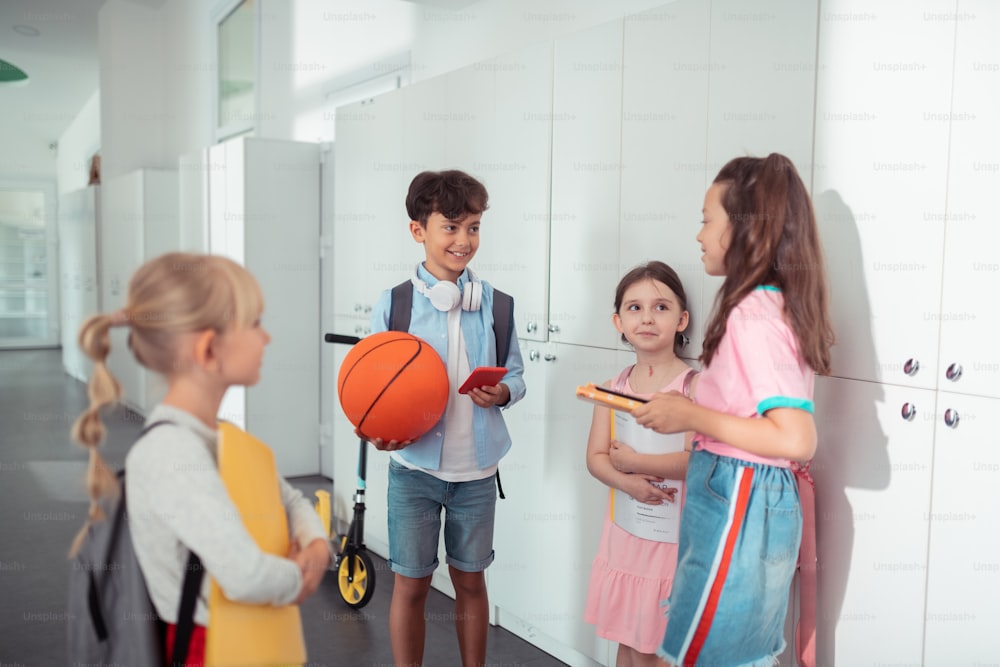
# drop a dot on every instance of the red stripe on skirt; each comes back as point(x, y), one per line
point(705, 623)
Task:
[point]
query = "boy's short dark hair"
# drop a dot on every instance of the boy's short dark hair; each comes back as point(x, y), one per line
point(452, 193)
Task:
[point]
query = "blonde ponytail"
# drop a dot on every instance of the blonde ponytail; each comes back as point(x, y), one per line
point(88, 430)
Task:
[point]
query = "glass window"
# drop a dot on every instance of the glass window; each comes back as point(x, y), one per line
point(236, 71)
point(25, 275)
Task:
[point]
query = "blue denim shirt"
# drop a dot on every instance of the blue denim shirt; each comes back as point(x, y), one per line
point(431, 324)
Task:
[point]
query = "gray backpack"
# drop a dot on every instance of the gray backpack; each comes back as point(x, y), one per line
point(112, 620)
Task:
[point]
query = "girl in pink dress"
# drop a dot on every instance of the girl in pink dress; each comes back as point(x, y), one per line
point(631, 575)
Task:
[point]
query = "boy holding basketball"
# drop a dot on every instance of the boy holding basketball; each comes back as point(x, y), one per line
point(453, 465)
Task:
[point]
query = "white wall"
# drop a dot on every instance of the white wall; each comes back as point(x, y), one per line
point(77, 145)
point(447, 40)
point(188, 76)
point(158, 67)
point(314, 47)
point(132, 92)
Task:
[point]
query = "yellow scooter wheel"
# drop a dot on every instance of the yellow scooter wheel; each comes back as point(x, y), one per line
point(356, 579)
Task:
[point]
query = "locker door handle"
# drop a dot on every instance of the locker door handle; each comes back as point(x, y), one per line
point(954, 372)
point(909, 411)
point(951, 418)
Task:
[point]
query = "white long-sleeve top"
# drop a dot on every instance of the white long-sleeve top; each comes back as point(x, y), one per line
point(177, 502)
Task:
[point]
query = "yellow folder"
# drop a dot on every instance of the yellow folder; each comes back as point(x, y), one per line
point(240, 634)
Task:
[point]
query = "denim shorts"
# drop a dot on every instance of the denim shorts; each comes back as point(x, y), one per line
point(415, 503)
point(737, 554)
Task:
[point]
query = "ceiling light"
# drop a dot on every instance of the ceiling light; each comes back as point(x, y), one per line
point(26, 30)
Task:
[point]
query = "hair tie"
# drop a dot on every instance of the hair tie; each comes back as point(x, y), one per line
point(119, 318)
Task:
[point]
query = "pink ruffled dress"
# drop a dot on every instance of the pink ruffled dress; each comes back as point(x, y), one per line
point(631, 577)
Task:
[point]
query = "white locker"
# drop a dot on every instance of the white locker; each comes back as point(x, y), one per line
point(586, 175)
point(873, 484)
point(963, 579)
point(664, 139)
point(372, 248)
point(880, 181)
point(264, 213)
point(970, 360)
point(514, 250)
point(549, 526)
point(762, 81)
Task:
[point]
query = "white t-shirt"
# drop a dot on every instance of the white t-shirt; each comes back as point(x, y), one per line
point(458, 455)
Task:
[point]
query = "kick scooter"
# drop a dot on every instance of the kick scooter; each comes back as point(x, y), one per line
point(353, 565)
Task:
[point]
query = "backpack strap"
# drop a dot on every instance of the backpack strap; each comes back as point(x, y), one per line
point(400, 306)
point(503, 323)
point(503, 326)
point(194, 572)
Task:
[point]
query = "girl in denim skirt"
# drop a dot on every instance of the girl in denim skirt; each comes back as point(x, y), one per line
point(753, 417)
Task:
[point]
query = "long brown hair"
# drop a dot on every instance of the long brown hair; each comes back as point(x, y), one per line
point(773, 240)
point(167, 296)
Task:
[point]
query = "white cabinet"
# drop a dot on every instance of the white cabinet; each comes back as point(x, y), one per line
point(762, 81)
point(263, 205)
point(969, 320)
point(586, 174)
point(548, 528)
point(884, 81)
point(372, 247)
point(514, 248)
point(663, 144)
point(762, 85)
point(79, 294)
point(138, 222)
point(963, 582)
point(873, 485)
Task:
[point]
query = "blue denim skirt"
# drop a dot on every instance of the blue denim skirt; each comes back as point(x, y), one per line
point(739, 544)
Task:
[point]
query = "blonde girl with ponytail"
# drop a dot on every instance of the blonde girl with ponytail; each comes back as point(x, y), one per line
point(196, 320)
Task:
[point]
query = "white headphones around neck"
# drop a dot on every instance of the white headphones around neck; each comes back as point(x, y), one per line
point(444, 295)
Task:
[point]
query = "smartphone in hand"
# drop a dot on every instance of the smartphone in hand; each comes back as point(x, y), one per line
point(484, 376)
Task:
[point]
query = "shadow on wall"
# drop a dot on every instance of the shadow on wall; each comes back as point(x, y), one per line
point(843, 461)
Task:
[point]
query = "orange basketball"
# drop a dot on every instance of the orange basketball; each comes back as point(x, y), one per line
point(393, 385)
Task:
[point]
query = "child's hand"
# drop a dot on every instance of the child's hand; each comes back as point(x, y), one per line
point(381, 445)
point(642, 488)
point(313, 561)
point(664, 413)
point(487, 397)
point(619, 455)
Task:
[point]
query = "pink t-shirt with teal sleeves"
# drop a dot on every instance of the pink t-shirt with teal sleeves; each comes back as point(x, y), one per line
point(756, 367)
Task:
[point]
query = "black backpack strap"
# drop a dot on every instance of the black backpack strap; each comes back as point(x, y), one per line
point(503, 326)
point(194, 573)
point(400, 306)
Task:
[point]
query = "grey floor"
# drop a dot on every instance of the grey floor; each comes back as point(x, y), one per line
point(42, 505)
